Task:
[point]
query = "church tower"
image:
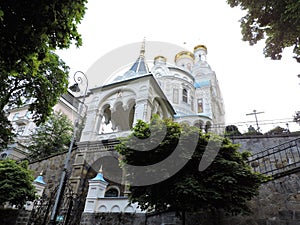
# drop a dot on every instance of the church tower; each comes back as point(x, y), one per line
point(192, 88)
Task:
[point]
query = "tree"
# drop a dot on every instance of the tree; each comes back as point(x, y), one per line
point(52, 136)
point(252, 131)
point(232, 130)
point(29, 70)
point(297, 117)
point(29, 29)
point(15, 183)
point(278, 20)
point(228, 183)
point(277, 130)
point(6, 131)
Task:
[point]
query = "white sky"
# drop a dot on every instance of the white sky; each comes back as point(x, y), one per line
point(247, 79)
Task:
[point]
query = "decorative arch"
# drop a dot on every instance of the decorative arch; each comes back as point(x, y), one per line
point(115, 209)
point(158, 107)
point(106, 121)
point(116, 94)
point(102, 208)
point(122, 110)
point(129, 209)
point(112, 191)
point(199, 124)
point(208, 126)
point(4, 155)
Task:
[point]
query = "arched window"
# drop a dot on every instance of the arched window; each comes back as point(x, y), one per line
point(106, 125)
point(200, 105)
point(184, 95)
point(131, 116)
point(112, 192)
point(207, 127)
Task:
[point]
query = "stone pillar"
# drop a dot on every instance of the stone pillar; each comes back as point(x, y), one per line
point(92, 120)
point(97, 187)
point(142, 111)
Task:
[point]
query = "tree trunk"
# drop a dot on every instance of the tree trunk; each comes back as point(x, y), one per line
point(216, 217)
point(183, 217)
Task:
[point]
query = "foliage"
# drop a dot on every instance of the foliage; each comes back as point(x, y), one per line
point(6, 131)
point(15, 183)
point(29, 70)
point(232, 130)
point(252, 131)
point(277, 130)
point(278, 20)
point(297, 117)
point(29, 29)
point(228, 183)
point(51, 137)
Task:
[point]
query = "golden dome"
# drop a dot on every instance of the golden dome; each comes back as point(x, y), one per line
point(200, 47)
point(160, 57)
point(184, 54)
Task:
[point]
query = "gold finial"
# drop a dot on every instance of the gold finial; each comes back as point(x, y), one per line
point(101, 170)
point(142, 51)
point(41, 173)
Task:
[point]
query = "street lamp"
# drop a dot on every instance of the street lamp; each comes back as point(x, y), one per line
point(78, 75)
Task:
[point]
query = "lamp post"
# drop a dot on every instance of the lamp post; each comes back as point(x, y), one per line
point(78, 75)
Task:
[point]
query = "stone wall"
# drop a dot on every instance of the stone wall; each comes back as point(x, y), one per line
point(23, 217)
point(8, 216)
point(112, 219)
point(257, 143)
point(277, 204)
point(51, 167)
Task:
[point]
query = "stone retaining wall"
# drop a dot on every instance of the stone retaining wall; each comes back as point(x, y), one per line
point(259, 143)
point(112, 219)
point(52, 168)
point(277, 204)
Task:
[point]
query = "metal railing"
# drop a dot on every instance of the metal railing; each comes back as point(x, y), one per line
point(278, 161)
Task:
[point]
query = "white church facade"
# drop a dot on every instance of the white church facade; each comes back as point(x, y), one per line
point(187, 92)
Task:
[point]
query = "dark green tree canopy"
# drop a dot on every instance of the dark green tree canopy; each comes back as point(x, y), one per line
point(29, 33)
point(52, 136)
point(228, 183)
point(29, 29)
point(232, 130)
point(6, 131)
point(15, 183)
point(278, 21)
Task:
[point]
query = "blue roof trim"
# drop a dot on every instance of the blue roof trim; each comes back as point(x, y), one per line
point(188, 115)
point(40, 180)
point(202, 84)
point(99, 177)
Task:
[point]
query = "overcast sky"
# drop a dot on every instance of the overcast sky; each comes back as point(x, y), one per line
point(247, 79)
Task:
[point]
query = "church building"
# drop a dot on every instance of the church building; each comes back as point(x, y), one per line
point(187, 91)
